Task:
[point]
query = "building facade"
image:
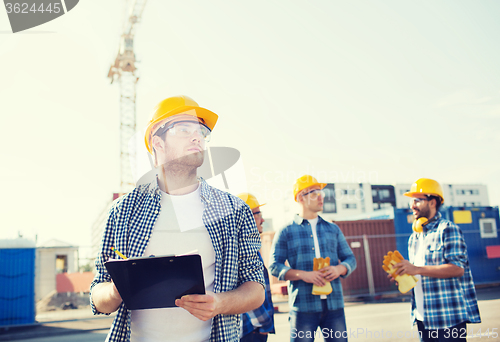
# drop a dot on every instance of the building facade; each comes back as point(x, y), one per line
point(353, 201)
point(456, 195)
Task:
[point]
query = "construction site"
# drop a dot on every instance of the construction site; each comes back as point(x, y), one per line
point(298, 90)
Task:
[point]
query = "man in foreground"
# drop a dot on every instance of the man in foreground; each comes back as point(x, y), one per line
point(176, 214)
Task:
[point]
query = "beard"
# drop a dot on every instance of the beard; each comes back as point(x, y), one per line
point(424, 212)
point(186, 164)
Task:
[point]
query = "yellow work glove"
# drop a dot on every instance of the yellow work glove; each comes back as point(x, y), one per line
point(405, 281)
point(326, 289)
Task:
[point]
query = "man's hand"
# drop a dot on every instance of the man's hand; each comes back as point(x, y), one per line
point(435, 271)
point(333, 272)
point(203, 307)
point(405, 267)
point(248, 296)
point(314, 277)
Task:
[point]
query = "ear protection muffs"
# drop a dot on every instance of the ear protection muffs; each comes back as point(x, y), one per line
point(418, 225)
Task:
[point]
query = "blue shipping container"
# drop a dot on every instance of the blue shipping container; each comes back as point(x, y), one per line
point(17, 289)
point(477, 237)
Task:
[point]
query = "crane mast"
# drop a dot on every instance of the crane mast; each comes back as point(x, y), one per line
point(124, 70)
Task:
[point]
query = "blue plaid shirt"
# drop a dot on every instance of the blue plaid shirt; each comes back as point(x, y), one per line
point(295, 243)
point(450, 301)
point(263, 316)
point(234, 236)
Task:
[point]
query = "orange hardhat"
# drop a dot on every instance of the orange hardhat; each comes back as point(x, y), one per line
point(303, 183)
point(173, 106)
point(251, 200)
point(425, 186)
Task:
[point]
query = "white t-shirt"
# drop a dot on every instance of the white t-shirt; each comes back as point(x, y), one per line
point(317, 252)
point(178, 230)
point(419, 293)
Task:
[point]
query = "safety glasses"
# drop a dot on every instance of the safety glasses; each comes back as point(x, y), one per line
point(417, 200)
point(314, 194)
point(185, 129)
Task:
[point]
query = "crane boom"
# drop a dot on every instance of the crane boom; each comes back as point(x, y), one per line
point(124, 70)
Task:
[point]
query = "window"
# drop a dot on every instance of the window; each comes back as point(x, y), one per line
point(329, 207)
point(329, 193)
point(61, 263)
point(488, 228)
point(376, 206)
point(349, 205)
point(385, 205)
point(348, 192)
point(374, 193)
point(384, 193)
point(468, 192)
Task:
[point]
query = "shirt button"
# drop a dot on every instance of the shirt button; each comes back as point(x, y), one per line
point(313, 248)
point(311, 236)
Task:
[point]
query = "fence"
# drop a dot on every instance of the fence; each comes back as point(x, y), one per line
point(370, 240)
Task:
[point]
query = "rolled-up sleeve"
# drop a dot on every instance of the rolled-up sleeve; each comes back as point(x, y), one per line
point(250, 265)
point(278, 256)
point(346, 255)
point(455, 249)
point(102, 275)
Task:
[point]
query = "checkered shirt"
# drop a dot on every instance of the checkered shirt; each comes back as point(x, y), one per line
point(264, 314)
point(450, 301)
point(231, 227)
point(295, 243)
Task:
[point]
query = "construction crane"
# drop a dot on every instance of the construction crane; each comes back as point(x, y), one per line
point(124, 70)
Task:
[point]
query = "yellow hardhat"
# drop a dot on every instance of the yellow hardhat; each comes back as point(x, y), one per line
point(305, 182)
point(426, 186)
point(250, 199)
point(177, 105)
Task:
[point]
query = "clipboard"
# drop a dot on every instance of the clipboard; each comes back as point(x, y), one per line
point(156, 282)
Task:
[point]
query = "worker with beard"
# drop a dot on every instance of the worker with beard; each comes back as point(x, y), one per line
point(176, 214)
point(444, 299)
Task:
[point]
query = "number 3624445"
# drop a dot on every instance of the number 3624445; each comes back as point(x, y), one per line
point(25, 8)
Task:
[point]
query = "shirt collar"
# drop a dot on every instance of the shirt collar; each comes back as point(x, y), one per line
point(433, 223)
point(300, 220)
point(205, 193)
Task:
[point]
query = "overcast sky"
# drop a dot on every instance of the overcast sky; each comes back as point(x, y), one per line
point(368, 91)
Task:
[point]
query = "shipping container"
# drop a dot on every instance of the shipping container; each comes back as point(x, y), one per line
point(480, 227)
point(369, 240)
point(365, 237)
point(17, 279)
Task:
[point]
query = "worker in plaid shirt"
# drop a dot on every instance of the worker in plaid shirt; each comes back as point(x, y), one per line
point(306, 238)
point(258, 323)
point(174, 214)
point(444, 299)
